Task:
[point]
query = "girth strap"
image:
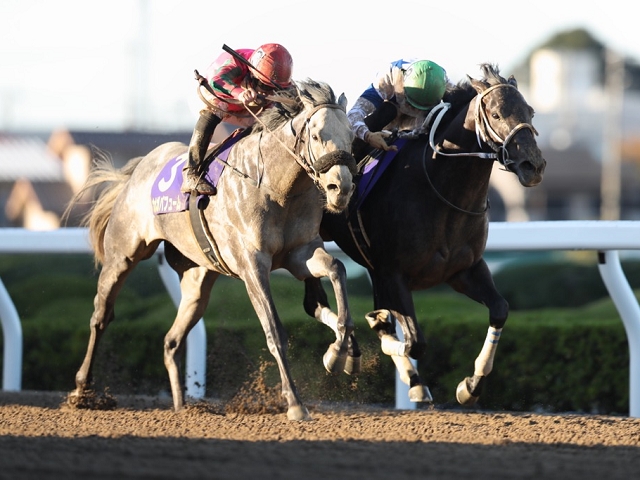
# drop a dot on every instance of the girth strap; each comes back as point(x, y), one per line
point(204, 238)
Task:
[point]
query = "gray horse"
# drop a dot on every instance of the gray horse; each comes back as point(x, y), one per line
point(277, 181)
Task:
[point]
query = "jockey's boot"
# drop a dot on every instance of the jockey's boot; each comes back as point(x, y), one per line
point(193, 179)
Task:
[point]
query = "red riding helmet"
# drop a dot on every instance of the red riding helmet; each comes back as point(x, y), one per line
point(272, 65)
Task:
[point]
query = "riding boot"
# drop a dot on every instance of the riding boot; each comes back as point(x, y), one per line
point(193, 176)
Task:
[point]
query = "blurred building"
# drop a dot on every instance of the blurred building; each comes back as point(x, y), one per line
point(587, 102)
point(39, 174)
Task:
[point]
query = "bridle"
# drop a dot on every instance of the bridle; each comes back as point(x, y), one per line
point(484, 133)
point(312, 165)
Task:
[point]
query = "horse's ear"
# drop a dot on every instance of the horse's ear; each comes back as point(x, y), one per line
point(512, 81)
point(302, 95)
point(342, 101)
point(477, 84)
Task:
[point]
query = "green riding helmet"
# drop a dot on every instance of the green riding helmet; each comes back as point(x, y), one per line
point(424, 84)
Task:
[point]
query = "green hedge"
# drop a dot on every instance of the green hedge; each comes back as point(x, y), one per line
point(560, 359)
point(558, 281)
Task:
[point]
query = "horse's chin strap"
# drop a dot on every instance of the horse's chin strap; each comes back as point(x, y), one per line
point(484, 132)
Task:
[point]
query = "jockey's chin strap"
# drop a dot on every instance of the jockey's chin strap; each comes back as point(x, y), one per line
point(484, 132)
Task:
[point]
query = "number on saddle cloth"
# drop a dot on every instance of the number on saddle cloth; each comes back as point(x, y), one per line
point(166, 196)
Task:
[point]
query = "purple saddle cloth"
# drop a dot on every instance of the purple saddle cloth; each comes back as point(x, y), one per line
point(374, 169)
point(166, 196)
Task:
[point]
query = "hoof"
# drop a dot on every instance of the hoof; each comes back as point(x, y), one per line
point(420, 393)
point(464, 396)
point(298, 413)
point(333, 361)
point(353, 365)
point(90, 400)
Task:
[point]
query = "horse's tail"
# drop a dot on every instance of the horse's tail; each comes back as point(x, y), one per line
point(105, 182)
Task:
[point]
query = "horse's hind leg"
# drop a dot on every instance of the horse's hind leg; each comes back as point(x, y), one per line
point(316, 304)
point(477, 284)
point(195, 287)
point(110, 281)
point(392, 296)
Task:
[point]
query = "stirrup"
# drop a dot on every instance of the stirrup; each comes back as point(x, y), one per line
point(204, 188)
point(196, 185)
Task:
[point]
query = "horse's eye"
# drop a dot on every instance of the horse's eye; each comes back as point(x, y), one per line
point(314, 137)
point(495, 116)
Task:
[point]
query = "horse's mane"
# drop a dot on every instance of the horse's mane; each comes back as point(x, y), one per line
point(303, 92)
point(462, 93)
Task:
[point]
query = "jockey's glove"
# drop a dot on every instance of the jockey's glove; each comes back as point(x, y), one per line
point(376, 140)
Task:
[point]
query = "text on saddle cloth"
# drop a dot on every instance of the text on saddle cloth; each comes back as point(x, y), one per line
point(166, 196)
point(374, 169)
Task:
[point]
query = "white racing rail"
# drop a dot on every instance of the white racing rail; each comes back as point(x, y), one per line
point(605, 237)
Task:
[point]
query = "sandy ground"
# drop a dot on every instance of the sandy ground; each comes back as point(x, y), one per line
point(42, 438)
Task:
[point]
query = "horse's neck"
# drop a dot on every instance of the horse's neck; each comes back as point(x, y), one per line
point(276, 165)
point(461, 173)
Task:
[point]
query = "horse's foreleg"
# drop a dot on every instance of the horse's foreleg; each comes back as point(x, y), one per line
point(341, 355)
point(469, 389)
point(195, 287)
point(316, 305)
point(258, 288)
point(477, 284)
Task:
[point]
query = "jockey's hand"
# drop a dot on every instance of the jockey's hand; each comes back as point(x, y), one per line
point(376, 140)
point(248, 96)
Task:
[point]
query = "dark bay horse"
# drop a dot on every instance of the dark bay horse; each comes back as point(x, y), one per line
point(277, 181)
point(425, 222)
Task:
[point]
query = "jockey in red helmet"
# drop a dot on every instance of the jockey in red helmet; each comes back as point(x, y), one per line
point(266, 69)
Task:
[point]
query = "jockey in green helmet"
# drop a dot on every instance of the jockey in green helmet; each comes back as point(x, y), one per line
point(399, 97)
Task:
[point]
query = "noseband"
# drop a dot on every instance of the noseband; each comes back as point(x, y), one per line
point(484, 131)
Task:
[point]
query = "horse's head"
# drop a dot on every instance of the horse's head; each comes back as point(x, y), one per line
point(503, 120)
point(317, 125)
point(324, 143)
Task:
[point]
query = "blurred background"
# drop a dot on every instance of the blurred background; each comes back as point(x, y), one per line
point(117, 76)
point(80, 79)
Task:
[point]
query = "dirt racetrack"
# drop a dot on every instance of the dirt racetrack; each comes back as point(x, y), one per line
point(144, 438)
